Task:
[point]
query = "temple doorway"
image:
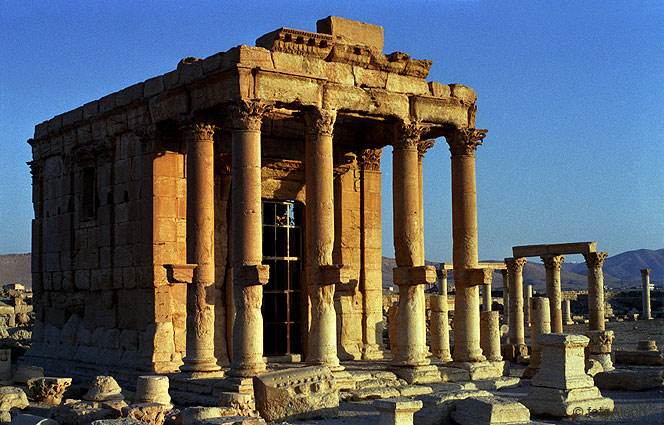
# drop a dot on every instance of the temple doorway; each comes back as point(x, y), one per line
point(282, 251)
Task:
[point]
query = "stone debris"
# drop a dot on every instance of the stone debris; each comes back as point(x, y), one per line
point(26, 372)
point(104, 388)
point(438, 407)
point(303, 393)
point(397, 411)
point(152, 413)
point(232, 420)
point(6, 366)
point(48, 390)
point(630, 380)
point(25, 419)
point(12, 397)
point(77, 412)
point(152, 389)
point(118, 421)
point(490, 411)
point(242, 404)
point(194, 415)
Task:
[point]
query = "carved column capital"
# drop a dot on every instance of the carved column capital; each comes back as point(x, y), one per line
point(595, 260)
point(248, 114)
point(515, 265)
point(423, 147)
point(464, 141)
point(320, 121)
point(369, 159)
point(442, 273)
point(408, 134)
point(645, 272)
point(553, 261)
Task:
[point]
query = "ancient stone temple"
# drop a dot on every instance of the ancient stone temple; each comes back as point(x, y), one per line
point(230, 210)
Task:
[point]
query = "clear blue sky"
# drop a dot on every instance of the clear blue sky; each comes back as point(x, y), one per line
point(572, 93)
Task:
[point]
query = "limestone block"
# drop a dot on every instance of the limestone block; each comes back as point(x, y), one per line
point(439, 90)
point(243, 404)
point(629, 380)
point(464, 93)
point(70, 330)
point(12, 397)
point(353, 32)
point(438, 407)
point(152, 413)
point(104, 388)
point(563, 362)
point(297, 393)
point(404, 84)
point(48, 390)
point(5, 366)
point(397, 411)
point(25, 419)
point(440, 110)
point(153, 389)
point(194, 415)
point(51, 334)
point(129, 339)
point(561, 403)
point(490, 411)
point(286, 88)
point(169, 104)
point(25, 372)
point(76, 412)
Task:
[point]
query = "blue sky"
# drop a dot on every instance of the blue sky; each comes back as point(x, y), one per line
point(572, 94)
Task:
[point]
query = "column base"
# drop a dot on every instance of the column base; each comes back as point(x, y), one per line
point(333, 366)
point(419, 374)
point(513, 352)
point(399, 361)
point(372, 352)
point(480, 370)
point(236, 384)
point(247, 369)
point(604, 359)
point(443, 355)
point(206, 365)
point(562, 403)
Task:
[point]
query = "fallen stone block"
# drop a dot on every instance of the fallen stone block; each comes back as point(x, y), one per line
point(629, 380)
point(397, 411)
point(438, 407)
point(413, 390)
point(303, 393)
point(490, 411)
point(76, 412)
point(194, 415)
point(12, 397)
point(104, 388)
point(152, 413)
point(454, 374)
point(25, 372)
point(373, 393)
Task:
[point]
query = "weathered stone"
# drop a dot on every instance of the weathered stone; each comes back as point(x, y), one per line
point(152, 389)
point(5, 366)
point(296, 393)
point(352, 32)
point(12, 397)
point(48, 390)
point(398, 411)
point(152, 413)
point(104, 388)
point(194, 415)
point(118, 421)
point(25, 419)
point(629, 380)
point(490, 411)
point(77, 412)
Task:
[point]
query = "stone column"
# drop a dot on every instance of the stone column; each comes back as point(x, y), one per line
point(463, 143)
point(506, 297)
point(645, 284)
point(600, 347)
point(410, 274)
point(490, 335)
point(515, 270)
point(422, 148)
point(486, 297)
point(552, 265)
point(567, 313)
point(528, 296)
point(247, 238)
point(541, 325)
point(200, 249)
point(594, 261)
point(321, 273)
point(440, 331)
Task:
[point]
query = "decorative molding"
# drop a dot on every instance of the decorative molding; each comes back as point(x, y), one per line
point(464, 141)
point(423, 147)
point(409, 134)
point(369, 159)
point(248, 114)
point(320, 121)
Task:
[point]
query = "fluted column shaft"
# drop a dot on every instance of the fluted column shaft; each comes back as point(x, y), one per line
point(463, 143)
point(645, 288)
point(408, 247)
point(247, 238)
point(200, 248)
point(594, 261)
point(319, 237)
point(552, 265)
point(515, 271)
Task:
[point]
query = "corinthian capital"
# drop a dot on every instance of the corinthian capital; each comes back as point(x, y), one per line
point(248, 114)
point(369, 159)
point(464, 141)
point(423, 147)
point(595, 260)
point(553, 261)
point(408, 134)
point(199, 131)
point(320, 121)
point(515, 265)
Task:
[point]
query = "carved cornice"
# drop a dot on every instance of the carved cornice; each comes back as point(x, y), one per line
point(409, 134)
point(369, 159)
point(248, 114)
point(36, 169)
point(464, 141)
point(515, 265)
point(320, 121)
point(423, 147)
point(595, 260)
point(553, 261)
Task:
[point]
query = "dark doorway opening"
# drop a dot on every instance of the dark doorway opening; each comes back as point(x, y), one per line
point(282, 251)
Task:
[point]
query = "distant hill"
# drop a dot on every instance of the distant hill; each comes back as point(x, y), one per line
point(620, 271)
point(15, 268)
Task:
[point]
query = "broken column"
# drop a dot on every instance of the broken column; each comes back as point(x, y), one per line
point(410, 274)
point(527, 304)
point(562, 387)
point(599, 348)
point(490, 335)
point(486, 297)
point(440, 331)
point(541, 325)
point(249, 274)
point(200, 249)
point(645, 285)
point(516, 325)
point(567, 313)
point(552, 265)
point(506, 297)
point(321, 274)
point(463, 143)
point(594, 261)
